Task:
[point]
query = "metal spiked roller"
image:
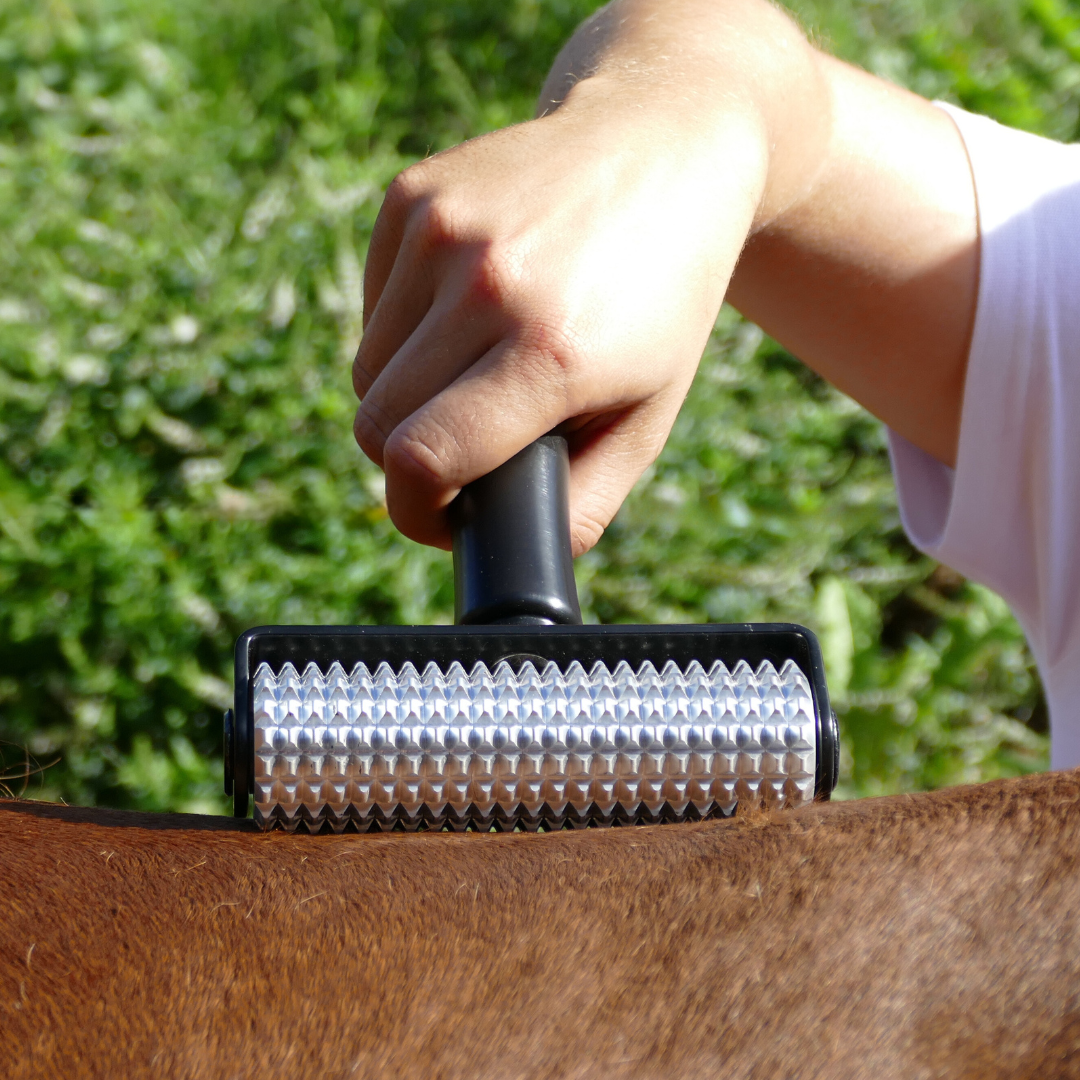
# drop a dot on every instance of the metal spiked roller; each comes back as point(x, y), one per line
point(519, 717)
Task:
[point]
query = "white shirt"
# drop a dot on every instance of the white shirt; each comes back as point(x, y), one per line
point(1009, 514)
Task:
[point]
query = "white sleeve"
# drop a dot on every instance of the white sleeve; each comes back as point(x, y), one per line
point(1009, 514)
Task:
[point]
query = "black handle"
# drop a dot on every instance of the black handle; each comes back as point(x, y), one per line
point(512, 558)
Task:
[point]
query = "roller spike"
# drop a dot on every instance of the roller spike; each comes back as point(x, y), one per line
point(551, 680)
point(719, 674)
point(742, 673)
point(528, 675)
point(265, 683)
point(793, 680)
point(694, 671)
point(360, 679)
point(384, 678)
point(766, 673)
point(647, 675)
point(503, 675)
point(433, 685)
point(574, 675)
point(599, 675)
point(480, 677)
point(671, 674)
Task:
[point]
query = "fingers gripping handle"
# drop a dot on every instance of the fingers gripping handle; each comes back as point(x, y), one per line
point(511, 529)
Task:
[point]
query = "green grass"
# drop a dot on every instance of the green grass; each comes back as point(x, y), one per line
point(186, 193)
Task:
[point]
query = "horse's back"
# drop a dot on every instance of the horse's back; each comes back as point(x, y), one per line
point(928, 935)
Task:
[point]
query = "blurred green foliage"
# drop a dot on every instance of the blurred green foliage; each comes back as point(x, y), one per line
point(186, 192)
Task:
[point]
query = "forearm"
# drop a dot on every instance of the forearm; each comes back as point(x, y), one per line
point(709, 72)
point(872, 277)
point(863, 247)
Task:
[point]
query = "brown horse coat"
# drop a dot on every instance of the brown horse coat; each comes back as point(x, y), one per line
point(932, 935)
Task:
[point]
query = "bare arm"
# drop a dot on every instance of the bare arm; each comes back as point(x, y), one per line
point(871, 278)
point(569, 270)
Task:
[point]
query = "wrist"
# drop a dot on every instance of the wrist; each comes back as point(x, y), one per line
point(735, 82)
point(717, 154)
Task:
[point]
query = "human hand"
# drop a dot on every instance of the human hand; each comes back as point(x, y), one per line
point(562, 273)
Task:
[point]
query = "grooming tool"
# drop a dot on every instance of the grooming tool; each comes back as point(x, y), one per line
point(519, 717)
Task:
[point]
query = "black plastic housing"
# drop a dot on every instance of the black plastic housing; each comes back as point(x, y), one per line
point(348, 645)
point(511, 532)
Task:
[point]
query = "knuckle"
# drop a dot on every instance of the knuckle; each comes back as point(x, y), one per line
point(585, 532)
point(438, 225)
point(362, 379)
point(404, 190)
point(495, 278)
point(419, 455)
point(372, 428)
point(559, 361)
point(395, 213)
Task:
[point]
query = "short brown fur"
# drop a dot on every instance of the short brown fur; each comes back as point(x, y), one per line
point(933, 935)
